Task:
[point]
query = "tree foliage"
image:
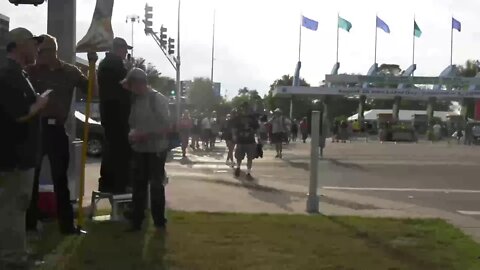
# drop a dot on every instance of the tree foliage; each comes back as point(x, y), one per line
point(301, 105)
point(201, 95)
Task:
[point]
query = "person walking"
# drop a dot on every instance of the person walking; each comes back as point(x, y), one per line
point(215, 129)
point(114, 111)
point(304, 129)
point(263, 130)
point(245, 127)
point(206, 131)
point(279, 129)
point(185, 127)
point(294, 130)
point(149, 125)
point(20, 106)
point(51, 73)
point(228, 137)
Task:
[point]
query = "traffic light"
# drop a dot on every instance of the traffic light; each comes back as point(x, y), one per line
point(183, 89)
point(171, 46)
point(173, 93)
point(27, 2)
point(163, 37)
point(148, 19)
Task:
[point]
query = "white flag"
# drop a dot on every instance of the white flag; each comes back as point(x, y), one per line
point(99, 37)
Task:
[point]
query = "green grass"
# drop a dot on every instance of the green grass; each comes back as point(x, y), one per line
point(237, 241)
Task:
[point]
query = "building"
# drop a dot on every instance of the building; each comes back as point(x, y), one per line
point(4, 28)
point(217, 89)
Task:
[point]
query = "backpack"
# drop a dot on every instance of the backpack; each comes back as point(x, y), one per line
point(173, 136)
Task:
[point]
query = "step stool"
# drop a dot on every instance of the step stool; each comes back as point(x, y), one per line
point(116, 200)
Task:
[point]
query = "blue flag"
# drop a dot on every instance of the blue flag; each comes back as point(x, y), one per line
point(382, 25)
point(309, 23)
point(456, 25)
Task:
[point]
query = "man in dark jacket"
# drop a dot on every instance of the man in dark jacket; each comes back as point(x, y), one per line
point(19, 145)
point(114, 113)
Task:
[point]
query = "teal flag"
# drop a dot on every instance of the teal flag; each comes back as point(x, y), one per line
point(344, 24)
point(416, 30)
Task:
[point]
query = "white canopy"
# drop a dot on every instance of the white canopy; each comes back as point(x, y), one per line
point(403, 115)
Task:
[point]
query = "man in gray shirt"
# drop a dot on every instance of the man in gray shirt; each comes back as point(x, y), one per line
point(149, 124)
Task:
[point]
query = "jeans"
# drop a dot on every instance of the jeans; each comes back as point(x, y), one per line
point(149, 168)
point(15, 192)
point(55, 146)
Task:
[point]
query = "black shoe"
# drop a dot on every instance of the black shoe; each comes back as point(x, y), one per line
point(237, 172)
point(73, 231)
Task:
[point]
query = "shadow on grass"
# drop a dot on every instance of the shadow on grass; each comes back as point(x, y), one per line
point(107, 246)
point(375, 241)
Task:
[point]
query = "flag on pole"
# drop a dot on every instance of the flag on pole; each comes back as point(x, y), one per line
point(416, 30)
point(309, 23)
point(382, 25)
point(99, 36)
point(456, 25)
point(344, 24)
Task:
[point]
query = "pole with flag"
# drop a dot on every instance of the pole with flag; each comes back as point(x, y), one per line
point(416, 34)
point(379, 23)
point(99, 38)
point(457, 25)
point(345, 25)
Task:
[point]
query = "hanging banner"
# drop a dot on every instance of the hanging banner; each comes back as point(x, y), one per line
point(99, 37)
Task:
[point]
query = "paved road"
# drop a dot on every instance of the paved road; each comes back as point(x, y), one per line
point(439, 175)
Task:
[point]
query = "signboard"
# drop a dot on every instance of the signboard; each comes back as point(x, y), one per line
point(349, 79)
point(387, 93)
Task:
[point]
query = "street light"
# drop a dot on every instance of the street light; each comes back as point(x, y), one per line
point(132, 19)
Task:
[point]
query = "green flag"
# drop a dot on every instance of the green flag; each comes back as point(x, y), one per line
point(344, 24)
point(416, 30)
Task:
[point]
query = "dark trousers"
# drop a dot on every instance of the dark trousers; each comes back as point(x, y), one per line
point(55, 146)
point(149, 168)
point(114, 170)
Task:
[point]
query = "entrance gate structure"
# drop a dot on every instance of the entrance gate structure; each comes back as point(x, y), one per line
point(430, 89)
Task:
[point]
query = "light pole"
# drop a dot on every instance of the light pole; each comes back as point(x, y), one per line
point(133, 19)
point(177, 69)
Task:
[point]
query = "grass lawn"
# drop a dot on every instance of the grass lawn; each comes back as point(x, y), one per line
point(238, 241)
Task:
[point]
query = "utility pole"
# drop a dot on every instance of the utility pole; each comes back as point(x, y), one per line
point(133, 19)
point(177, 69)
point(213, 49)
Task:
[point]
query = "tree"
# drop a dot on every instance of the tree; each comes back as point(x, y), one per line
point(201, 95)
point(301, 105)
point(251, 97)
point(470, 69)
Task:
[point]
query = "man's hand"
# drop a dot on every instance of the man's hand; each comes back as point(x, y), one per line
point(92, 57)
point(39, 104)
point(137, 136)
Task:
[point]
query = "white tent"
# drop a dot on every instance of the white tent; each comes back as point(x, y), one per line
point(403, 115)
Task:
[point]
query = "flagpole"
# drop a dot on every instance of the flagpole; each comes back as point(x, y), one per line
point(338, 36)
point(376, 30)
point(451, 43)
point(300, 39)
point(413, 51)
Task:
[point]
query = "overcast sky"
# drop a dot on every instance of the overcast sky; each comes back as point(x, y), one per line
point(257, 40)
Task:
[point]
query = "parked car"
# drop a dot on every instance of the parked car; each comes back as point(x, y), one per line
point(96, 134)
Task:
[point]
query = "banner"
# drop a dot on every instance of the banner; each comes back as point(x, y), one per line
point(99, 37)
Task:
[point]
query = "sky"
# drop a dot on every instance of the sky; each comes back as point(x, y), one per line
point(257, 40)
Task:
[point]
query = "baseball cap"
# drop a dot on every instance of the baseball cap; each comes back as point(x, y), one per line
point(135, 75)
point(120, 42)
point(19, 35)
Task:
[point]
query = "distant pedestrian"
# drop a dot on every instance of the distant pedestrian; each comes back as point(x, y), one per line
point(20, 140)
point(294, 130)
point(227, 134)
point(149, 125)
point(244, 130)
point(215, 129)
point(335, 131)
point(114, 111)
point(185, 127)
point(279, 131)
point(304, 129)
point(196, 131)
point(263, 129)
point(52, 73)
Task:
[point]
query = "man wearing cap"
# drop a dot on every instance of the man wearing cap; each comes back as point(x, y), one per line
point(114, 111)
point(19, 144)
point(149, 124)
point(279, 130)
point(51, 73)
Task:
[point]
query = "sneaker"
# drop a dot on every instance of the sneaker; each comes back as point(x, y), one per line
point(237, 172)
point(277, 156)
